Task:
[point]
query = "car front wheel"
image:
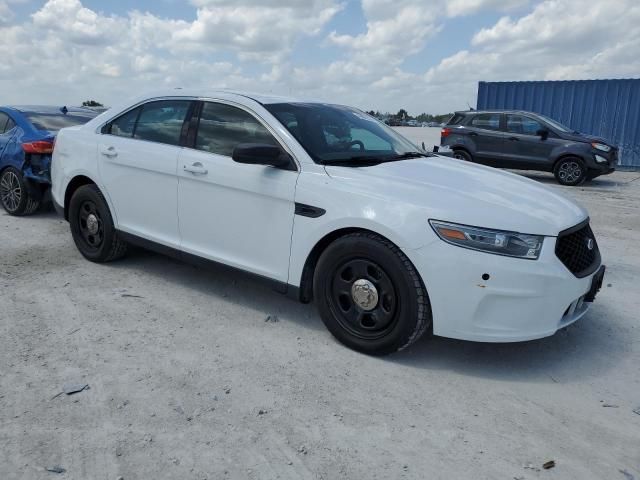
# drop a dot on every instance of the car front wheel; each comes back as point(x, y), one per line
point(14, 195)
point(369, 295)
point(92, 226)
point(570, 171)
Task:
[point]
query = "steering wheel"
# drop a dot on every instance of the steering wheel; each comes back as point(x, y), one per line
point(355, 142)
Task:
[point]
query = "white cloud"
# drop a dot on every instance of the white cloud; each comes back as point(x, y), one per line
point(66, 52)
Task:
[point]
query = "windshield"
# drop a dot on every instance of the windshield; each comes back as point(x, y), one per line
point(341, 135)
point(556, 125)
point(55, 121)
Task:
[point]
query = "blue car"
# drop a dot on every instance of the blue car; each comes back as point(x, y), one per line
point(27, 137)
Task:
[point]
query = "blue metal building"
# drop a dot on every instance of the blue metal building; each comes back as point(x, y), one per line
point(608, 108)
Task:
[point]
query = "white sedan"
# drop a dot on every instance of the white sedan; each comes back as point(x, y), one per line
point(332, 206)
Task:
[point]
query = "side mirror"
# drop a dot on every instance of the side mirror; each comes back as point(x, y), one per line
point(543, 133)
point(262, 154)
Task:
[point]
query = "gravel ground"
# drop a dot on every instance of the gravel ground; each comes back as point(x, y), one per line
point(188, 381)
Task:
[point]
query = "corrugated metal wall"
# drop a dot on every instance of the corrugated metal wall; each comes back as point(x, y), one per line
point(608, 108)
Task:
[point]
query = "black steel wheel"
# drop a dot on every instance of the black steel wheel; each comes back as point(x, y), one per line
point(570, 171)
point(363, 298)
point(14, 194)
point(92, 226)
point(369, 295)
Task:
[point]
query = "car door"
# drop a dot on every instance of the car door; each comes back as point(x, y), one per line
point(524, 146)
point(237, 214)
point(138, 159)
point(484, 130)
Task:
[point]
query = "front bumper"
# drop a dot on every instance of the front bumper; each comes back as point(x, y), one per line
point(521, 300)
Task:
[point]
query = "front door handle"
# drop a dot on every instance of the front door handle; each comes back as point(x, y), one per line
point(473, 134)
point(514, 139)
point(195, 168)
point(109, 152)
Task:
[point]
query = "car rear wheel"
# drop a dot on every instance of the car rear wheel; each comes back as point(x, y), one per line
point(462, 155)
point(92, 226)
point(369, 295)
point(14, 195)
point(570, 171)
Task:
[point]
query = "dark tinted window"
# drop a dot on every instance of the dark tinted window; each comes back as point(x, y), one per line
point(162, 121)
point(4, 118)
point(124, 125)
point(486, 121)
point(55, 121)
point(456, 119)
point(523, 125)
point(222, 127)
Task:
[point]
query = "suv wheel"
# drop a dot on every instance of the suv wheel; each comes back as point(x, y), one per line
point(462, 155)
point(369, 295)
point(14, 195)
point(570, 171)
point(92, 227)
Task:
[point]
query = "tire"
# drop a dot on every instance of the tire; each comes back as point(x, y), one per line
point(570, 171)
point(92, 226)
point(390, 318)
point(462, 155)
point(14, 194)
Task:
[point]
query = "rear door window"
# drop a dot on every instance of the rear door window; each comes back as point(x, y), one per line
point(222, 127)
point(162, 121)
point(523, 125)
point(486, 121)
point(124, 125)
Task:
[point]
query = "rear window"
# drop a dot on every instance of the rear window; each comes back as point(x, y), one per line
point(55, 121)
point(487, 121)
point(456, 119)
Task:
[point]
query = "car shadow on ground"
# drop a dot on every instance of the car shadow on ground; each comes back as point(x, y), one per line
point(590, 347)
point(225, 283)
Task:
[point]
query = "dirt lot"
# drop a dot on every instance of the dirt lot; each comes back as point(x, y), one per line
point(188, 381)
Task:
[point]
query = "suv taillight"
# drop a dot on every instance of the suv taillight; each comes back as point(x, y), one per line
point(40, 147)
point(445, 132)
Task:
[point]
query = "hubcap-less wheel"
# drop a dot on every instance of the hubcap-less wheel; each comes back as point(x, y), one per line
point(570, 172)
point(10, 191)
point(364, 299)
point(91, 226)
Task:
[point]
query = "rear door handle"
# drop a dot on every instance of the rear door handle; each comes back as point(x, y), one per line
point(195, 168)
point(473, 134)
point(109, 152)
point(514, 139)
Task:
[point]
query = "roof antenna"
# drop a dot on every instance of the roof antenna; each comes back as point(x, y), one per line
point(64, 110)
point(471, 109)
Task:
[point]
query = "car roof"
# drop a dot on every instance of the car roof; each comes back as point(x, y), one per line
point(49, 109)
point(474, 112)
point(263, 98)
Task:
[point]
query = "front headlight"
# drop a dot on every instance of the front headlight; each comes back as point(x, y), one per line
point(601, 146)
point(499, 242)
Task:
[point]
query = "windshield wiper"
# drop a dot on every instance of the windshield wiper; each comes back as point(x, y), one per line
point(406, 155)
point(371, 160)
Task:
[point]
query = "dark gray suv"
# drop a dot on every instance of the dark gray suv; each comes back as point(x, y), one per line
point(528, 141)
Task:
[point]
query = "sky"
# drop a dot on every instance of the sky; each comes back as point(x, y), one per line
point(420, 55)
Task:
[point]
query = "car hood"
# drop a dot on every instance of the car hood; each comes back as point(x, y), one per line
point(583, 137)
point(461, 192)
